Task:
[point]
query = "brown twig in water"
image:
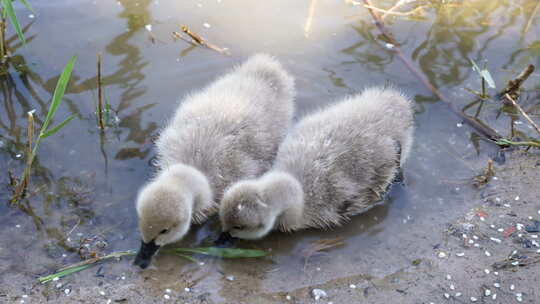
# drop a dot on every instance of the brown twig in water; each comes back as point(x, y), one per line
point(309, 20)
point(482, 179)
point(3, 45)
point(517, 106)
point(100, 93)
point(200, 41)
point(177, 35)
point(474, 123)
point(513, 85)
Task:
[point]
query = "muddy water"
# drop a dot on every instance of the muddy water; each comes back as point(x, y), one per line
point(85, 183)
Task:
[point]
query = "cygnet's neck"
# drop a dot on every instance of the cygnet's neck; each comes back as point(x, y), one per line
point(193, 184)
point(284, 193)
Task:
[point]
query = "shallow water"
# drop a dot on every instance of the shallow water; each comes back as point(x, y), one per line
point(85, 184)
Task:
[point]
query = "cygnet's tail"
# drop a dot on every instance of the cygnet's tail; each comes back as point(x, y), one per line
point(270, 71)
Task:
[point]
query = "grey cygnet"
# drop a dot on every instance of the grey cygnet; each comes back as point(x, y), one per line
point(228, 131)
point(335, 163)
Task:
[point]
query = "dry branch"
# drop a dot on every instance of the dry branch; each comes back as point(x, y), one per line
point(513, 85)
point(517, 106)
point(201, 41)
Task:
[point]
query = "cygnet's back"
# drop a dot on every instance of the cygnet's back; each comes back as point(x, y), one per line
point(346, 155)
point(232, 128)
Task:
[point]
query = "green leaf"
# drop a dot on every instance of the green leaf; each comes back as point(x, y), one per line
point(187, 257)
point(13, 19)
point(58, 92)
point(57, 128)
point(484, 73)
point(63, 273)
point(27, 5)
point(228, 253)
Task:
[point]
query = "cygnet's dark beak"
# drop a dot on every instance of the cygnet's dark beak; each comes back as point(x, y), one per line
point(225, 239)
point(145, 254)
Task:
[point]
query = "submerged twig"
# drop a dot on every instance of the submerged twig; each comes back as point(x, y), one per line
point(200, 41)
point(309, 20)
point(474, 123)
point(513, 85)
point(483, 179)
point(100, 93)
point(3, 44)
point(517, 106)
point(391, 12)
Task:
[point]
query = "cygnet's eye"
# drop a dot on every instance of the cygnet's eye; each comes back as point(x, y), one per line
point(164, 231)
point(239, 227)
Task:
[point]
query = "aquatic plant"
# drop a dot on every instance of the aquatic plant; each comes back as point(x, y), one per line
point(227, 253)
point(45, 131)
point(7, 10)
point(485, 76)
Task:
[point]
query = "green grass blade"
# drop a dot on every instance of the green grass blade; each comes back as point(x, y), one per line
point(13, 19)
point(63, 273)
point(27, 5)
point(187, 257)
point(228, 253)
point(57, 128)
point(58, 92)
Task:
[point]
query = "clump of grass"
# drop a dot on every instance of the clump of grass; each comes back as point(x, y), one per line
point(227, 253)
point(45, 131)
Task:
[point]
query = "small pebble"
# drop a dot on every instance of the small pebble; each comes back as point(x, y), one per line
point(288, 297)
point(519, 299)
point(496, 273)
point(497, 285)
point(230, 278)
point(517, 198)
point(520, 226)
point(507, 205)
point(168, 290)
point(109, 301)
point(187, 289)
point(122, 277)
point(452, 287)
point(458, 294)
point(352, 286)
point(534, 236)
point(494, 296)
point(389, 46)
point(31, 16)
point(447, 295)
point(530, 217)
point(448, 277)
point(515, 263)
point(318, 294)
point(473, 299)
point(56, 279)
point(24, 296)
point(460, 254)
point(512, 287)
point(475, 237)
point(483, 219)
point(486, 271)
point(500, 230)
point(471, 242)
point(166, 296)
point(487, 292)
point(102, 293)
point(67, 291)
point(206, 25)
point(464, 236)
point(487, 253)
point(148, 27)
point(442, 255)
point(496, 240)
point(59, 285)
point(459, 125)
point(477, 245)
point(492, 226)
point(201, 263)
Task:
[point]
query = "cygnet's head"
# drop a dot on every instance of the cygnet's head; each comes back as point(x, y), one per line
point(164, 216)
point(244, 214)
